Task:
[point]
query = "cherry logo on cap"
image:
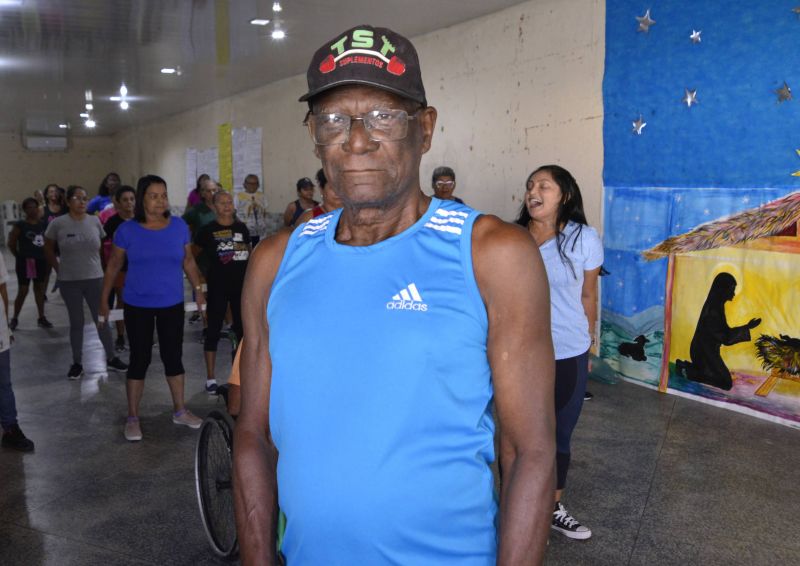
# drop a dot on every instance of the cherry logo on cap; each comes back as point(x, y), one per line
point(327, 65)
point(396, 66)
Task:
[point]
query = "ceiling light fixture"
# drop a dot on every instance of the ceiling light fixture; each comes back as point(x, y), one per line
point(89, 106)
point(84, 114)
point(259, 22)
point(115, 98)
point(169, 71)
point(123, 90)
point(88, 95)
point(278, 33)
point(63, 126)
point(10, 3)
point(124, 105)
point(90, 123)
point(276, 7)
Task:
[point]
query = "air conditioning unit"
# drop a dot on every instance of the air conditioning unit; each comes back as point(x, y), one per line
point(44, 143)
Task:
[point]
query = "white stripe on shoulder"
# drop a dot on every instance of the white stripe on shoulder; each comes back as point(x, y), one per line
point(446, 213)
point(443, 227)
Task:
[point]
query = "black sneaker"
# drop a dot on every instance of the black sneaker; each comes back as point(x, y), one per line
point(116, 364)
point(75, 372)
point(44, 323)
point(566, 524)
point(587, 396)
point(13, 438)
point(119, 346)
point(194, 318)
point(12, 324)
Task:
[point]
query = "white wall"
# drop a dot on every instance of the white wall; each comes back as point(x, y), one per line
point(85, 163)
point(515, 89)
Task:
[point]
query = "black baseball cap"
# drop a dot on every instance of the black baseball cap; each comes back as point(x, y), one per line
point(366, 55)
point(304, 182)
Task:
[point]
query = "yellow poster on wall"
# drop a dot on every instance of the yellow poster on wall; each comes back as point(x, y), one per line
point(225, 146)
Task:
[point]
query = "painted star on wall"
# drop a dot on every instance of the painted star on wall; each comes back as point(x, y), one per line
point(645, 22)
point(638, 126)
point(784, 93)
point(695, 36)
point(690, 97)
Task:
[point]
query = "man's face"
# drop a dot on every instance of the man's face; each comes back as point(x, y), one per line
point(251, 184)
point(366, 173)
point(444, 186)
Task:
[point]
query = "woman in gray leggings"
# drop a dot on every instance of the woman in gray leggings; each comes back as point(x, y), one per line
point(80, 275)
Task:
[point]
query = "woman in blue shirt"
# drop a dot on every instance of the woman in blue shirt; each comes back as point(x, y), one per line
point(573, 254)
point(106, 190)
point(158, 249)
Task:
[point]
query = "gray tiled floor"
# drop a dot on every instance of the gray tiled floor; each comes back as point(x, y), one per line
point(659, 479)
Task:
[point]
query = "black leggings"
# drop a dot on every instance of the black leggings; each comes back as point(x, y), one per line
point(140, 323)
point(571, 376)
point(217, 299)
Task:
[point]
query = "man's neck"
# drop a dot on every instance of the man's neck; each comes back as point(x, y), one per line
point(368, 226)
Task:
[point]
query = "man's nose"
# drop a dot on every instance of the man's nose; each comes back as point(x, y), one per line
point(359, 140)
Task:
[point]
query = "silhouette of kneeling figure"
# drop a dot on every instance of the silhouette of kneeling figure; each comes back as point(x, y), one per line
point(634, 349)
point(712, 332)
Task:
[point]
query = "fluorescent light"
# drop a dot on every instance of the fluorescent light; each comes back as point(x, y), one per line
point(84, 114)
point(123, 90)
point(278, 34)
point(124, 105)
point(115, 98)
point(88, 95)
point(259, 21)
point(10, 3)
point(276, 7)
point(90, 123)
point(169, 71)
point(89, 106)
point(63, 126)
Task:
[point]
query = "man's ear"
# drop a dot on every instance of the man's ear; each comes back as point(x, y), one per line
point(427, 124)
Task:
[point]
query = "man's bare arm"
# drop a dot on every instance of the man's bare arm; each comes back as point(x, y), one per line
point(254, 456)
point(513, 283)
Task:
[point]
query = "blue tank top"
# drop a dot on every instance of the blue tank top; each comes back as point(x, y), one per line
point(384, 447)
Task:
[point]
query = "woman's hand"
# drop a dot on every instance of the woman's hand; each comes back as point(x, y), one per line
point(102, 313)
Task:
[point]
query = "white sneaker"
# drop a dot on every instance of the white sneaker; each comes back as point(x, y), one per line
point(566, 524)
point(186, 418)
point(133, 431)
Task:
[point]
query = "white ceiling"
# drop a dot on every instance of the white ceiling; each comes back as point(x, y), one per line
point(52, 51)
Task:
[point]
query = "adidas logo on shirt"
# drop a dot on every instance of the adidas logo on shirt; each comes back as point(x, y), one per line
point(407, 299)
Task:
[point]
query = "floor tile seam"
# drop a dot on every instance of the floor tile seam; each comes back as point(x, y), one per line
point(83, 542)
point(62, 494)
point(662, 443)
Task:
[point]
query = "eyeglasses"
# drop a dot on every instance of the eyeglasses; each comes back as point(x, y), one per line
point(445, 184)
point(80, 199)
point(381, 126)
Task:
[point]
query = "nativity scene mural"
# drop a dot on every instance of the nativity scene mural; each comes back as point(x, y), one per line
point(701, 175)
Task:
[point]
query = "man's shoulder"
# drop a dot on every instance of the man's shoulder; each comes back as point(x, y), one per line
point(500, 240)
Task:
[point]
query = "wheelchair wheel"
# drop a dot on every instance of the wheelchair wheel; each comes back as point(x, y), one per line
point(213, 472)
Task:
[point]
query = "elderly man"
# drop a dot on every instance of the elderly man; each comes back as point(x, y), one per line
point(251, 208)
point(443, 183)
point(381, 453)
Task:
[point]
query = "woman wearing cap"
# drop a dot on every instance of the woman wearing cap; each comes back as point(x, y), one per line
point(305, 201)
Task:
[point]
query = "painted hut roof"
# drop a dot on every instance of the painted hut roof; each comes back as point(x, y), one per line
point(766, 220)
